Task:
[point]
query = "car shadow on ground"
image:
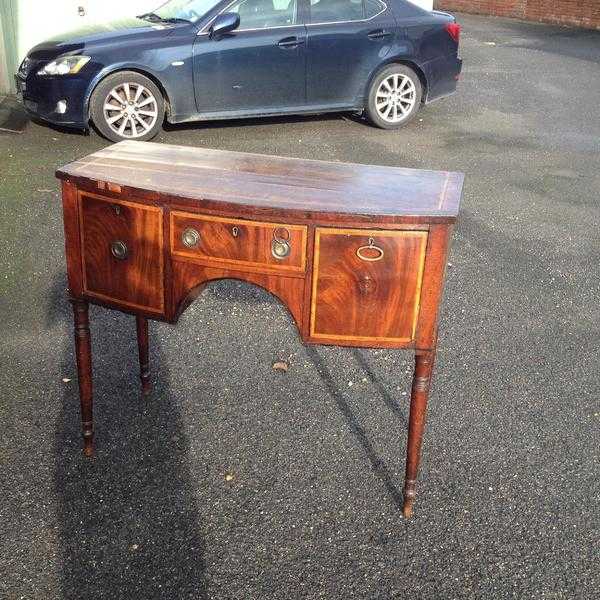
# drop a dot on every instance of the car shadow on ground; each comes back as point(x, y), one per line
point(58, 128)
point(216, 124)
point(255, 121)
point(127, 518)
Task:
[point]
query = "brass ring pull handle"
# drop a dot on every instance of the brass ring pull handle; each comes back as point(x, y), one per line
point(280, 246)
point(119, 250)
point(190, 238)
point(370, 253)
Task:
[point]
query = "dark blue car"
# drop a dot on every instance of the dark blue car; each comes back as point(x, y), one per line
point(193, 60)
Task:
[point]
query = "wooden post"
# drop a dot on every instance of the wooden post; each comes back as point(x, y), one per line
point(418, 410)
point(142, 340)
point(83, 351)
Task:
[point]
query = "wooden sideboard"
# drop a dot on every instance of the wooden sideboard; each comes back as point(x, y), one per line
point(356, 253)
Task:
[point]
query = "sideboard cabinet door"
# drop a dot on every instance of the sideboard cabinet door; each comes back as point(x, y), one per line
point(122, 252)
point(366, 285)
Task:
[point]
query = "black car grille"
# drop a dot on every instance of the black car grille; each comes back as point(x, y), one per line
point(27, 66)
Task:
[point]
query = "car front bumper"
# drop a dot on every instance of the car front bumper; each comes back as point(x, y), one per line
point(41, 97)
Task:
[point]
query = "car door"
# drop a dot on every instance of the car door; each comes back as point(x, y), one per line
point(347, 39)
point(258, 67)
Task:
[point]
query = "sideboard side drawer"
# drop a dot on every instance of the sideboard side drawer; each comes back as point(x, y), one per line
point(122, 251)
point(224, 242)
point(366, 285)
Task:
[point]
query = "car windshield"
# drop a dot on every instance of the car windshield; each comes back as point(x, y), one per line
point(189, 10)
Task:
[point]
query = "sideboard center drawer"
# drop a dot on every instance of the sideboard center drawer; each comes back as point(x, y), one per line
point(218, 241)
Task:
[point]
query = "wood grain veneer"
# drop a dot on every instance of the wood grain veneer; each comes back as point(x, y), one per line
point(367, 301)
point(272, 181)
point(137, 281)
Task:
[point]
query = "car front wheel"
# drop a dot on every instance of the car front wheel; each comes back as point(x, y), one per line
point(394, 97)
point(127, 106)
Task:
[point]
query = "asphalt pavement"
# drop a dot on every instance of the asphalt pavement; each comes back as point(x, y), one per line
point(237, 481)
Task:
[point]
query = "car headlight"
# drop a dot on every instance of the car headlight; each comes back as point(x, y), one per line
point(66, 65)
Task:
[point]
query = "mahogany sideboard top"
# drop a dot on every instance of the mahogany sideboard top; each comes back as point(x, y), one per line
point(276, 184)
point(357, 253)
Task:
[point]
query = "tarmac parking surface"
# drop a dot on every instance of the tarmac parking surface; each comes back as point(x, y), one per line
point(237, 481)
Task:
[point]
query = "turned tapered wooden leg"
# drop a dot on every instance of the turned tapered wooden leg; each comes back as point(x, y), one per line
point(418, 410)
point(83, 350)
point(142, 339)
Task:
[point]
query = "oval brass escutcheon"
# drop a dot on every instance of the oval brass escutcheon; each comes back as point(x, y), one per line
point(235, 231)
point(190, 238)
point(367, 285)
point(119, 250)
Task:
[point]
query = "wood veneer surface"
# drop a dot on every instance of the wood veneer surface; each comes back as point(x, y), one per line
point(272, 181)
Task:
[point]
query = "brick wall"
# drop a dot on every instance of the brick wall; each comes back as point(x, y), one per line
point(581, 13)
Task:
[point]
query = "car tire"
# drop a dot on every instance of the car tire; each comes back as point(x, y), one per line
point(394, 97)
point(127, 106)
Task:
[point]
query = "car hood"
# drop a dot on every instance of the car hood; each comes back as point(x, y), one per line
point(100, 34)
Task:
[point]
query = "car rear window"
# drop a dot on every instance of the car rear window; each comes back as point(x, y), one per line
point(337, 11)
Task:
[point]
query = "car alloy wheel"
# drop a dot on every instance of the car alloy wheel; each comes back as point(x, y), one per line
point(130, 110)
point(395, 98)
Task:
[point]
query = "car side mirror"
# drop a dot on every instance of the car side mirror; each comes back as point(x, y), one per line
point(224, 23)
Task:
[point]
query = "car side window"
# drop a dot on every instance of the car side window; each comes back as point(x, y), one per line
point(262, 14)
point(372, 8)
point(337, 11)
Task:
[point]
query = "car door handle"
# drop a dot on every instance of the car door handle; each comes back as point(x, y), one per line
point(290, 42)
point(378, 34)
